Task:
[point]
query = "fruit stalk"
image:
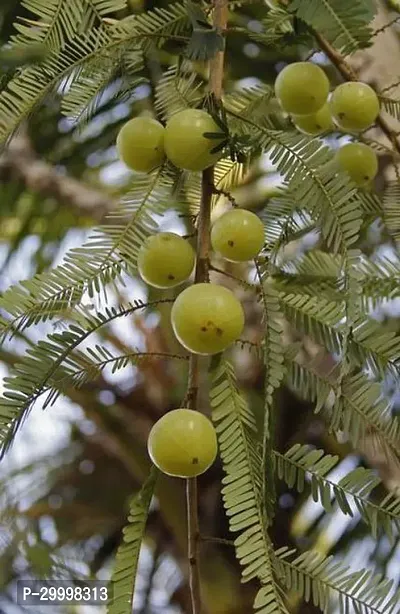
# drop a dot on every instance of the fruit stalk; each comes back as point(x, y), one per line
point(220, 18)
point(348, 73)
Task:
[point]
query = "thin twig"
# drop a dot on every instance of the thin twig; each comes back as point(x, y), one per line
point(245, 284)
point(217, 540)
point(220, 19)
point(228, 195)
point(349, 74)
point(385, 27)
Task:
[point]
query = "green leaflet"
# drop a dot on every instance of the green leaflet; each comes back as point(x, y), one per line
point(97, 48)
point(122, 583)
point(345, 24)
point(274, 373)
point(319, 579)
point(313, 180)
point(360, 409)
point(252, 101)
point(87, 365)
point(355, 487)
point(322, 319)
point(44, 365)
point(318, 273)
point(60, 21)
point(110, 250)
point(277, 30)
point(101, 83)
point(176, 90)
point(242, 485)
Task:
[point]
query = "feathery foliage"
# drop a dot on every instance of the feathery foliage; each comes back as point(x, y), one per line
point(313, 181)
point(360, 409)
point(274, 361)
point(242, 485)
point(353, 492)
point(344, 24)
point(59, 21)
point(96, 51)
point(122, 581)
point(316, 578)
point(47, 363)
point(176, 90)
point(315, 283)
point(111, 250)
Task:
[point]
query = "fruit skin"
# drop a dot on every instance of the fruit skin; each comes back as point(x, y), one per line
point(238, 235)
point(140, 144)
point(316, 123)
point(354, 106)
point(302, 88)
point(207, 318)
point(359, 161)
point(165, 260)
point(185, 144)
point(183, 443)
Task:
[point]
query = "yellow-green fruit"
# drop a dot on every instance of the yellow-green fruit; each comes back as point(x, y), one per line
point(183, 443)
point(207, 318)
point(354, 106)
point(185, 143)
point(140, 144)
point(238, 235)
point(165, 260)
point(316, 123)
point(302, 88)
point(359, 161)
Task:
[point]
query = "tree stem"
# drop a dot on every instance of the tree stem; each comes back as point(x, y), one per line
point(220, 18)
point(193, 544)
point(348, 73)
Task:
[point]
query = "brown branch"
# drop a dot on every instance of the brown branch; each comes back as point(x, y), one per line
point(220, 18)
point(349, 74)
point(19, 161)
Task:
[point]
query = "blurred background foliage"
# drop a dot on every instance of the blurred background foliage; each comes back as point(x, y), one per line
point(66, 482)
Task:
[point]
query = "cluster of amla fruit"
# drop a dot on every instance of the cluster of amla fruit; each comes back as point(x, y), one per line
point(302, 89)
point(144, 143)
point(206, 317)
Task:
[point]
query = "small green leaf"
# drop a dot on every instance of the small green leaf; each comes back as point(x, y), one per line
point(123, 578)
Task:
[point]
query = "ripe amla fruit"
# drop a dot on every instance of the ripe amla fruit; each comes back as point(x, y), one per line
point(207, 318)
point(185, 143)
point(238, 235)
point(302, 88)
point(359, 161)
point(165, 260)
point(354, 106)
point(140, 144)
point(316, 123)
point(183, 443)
